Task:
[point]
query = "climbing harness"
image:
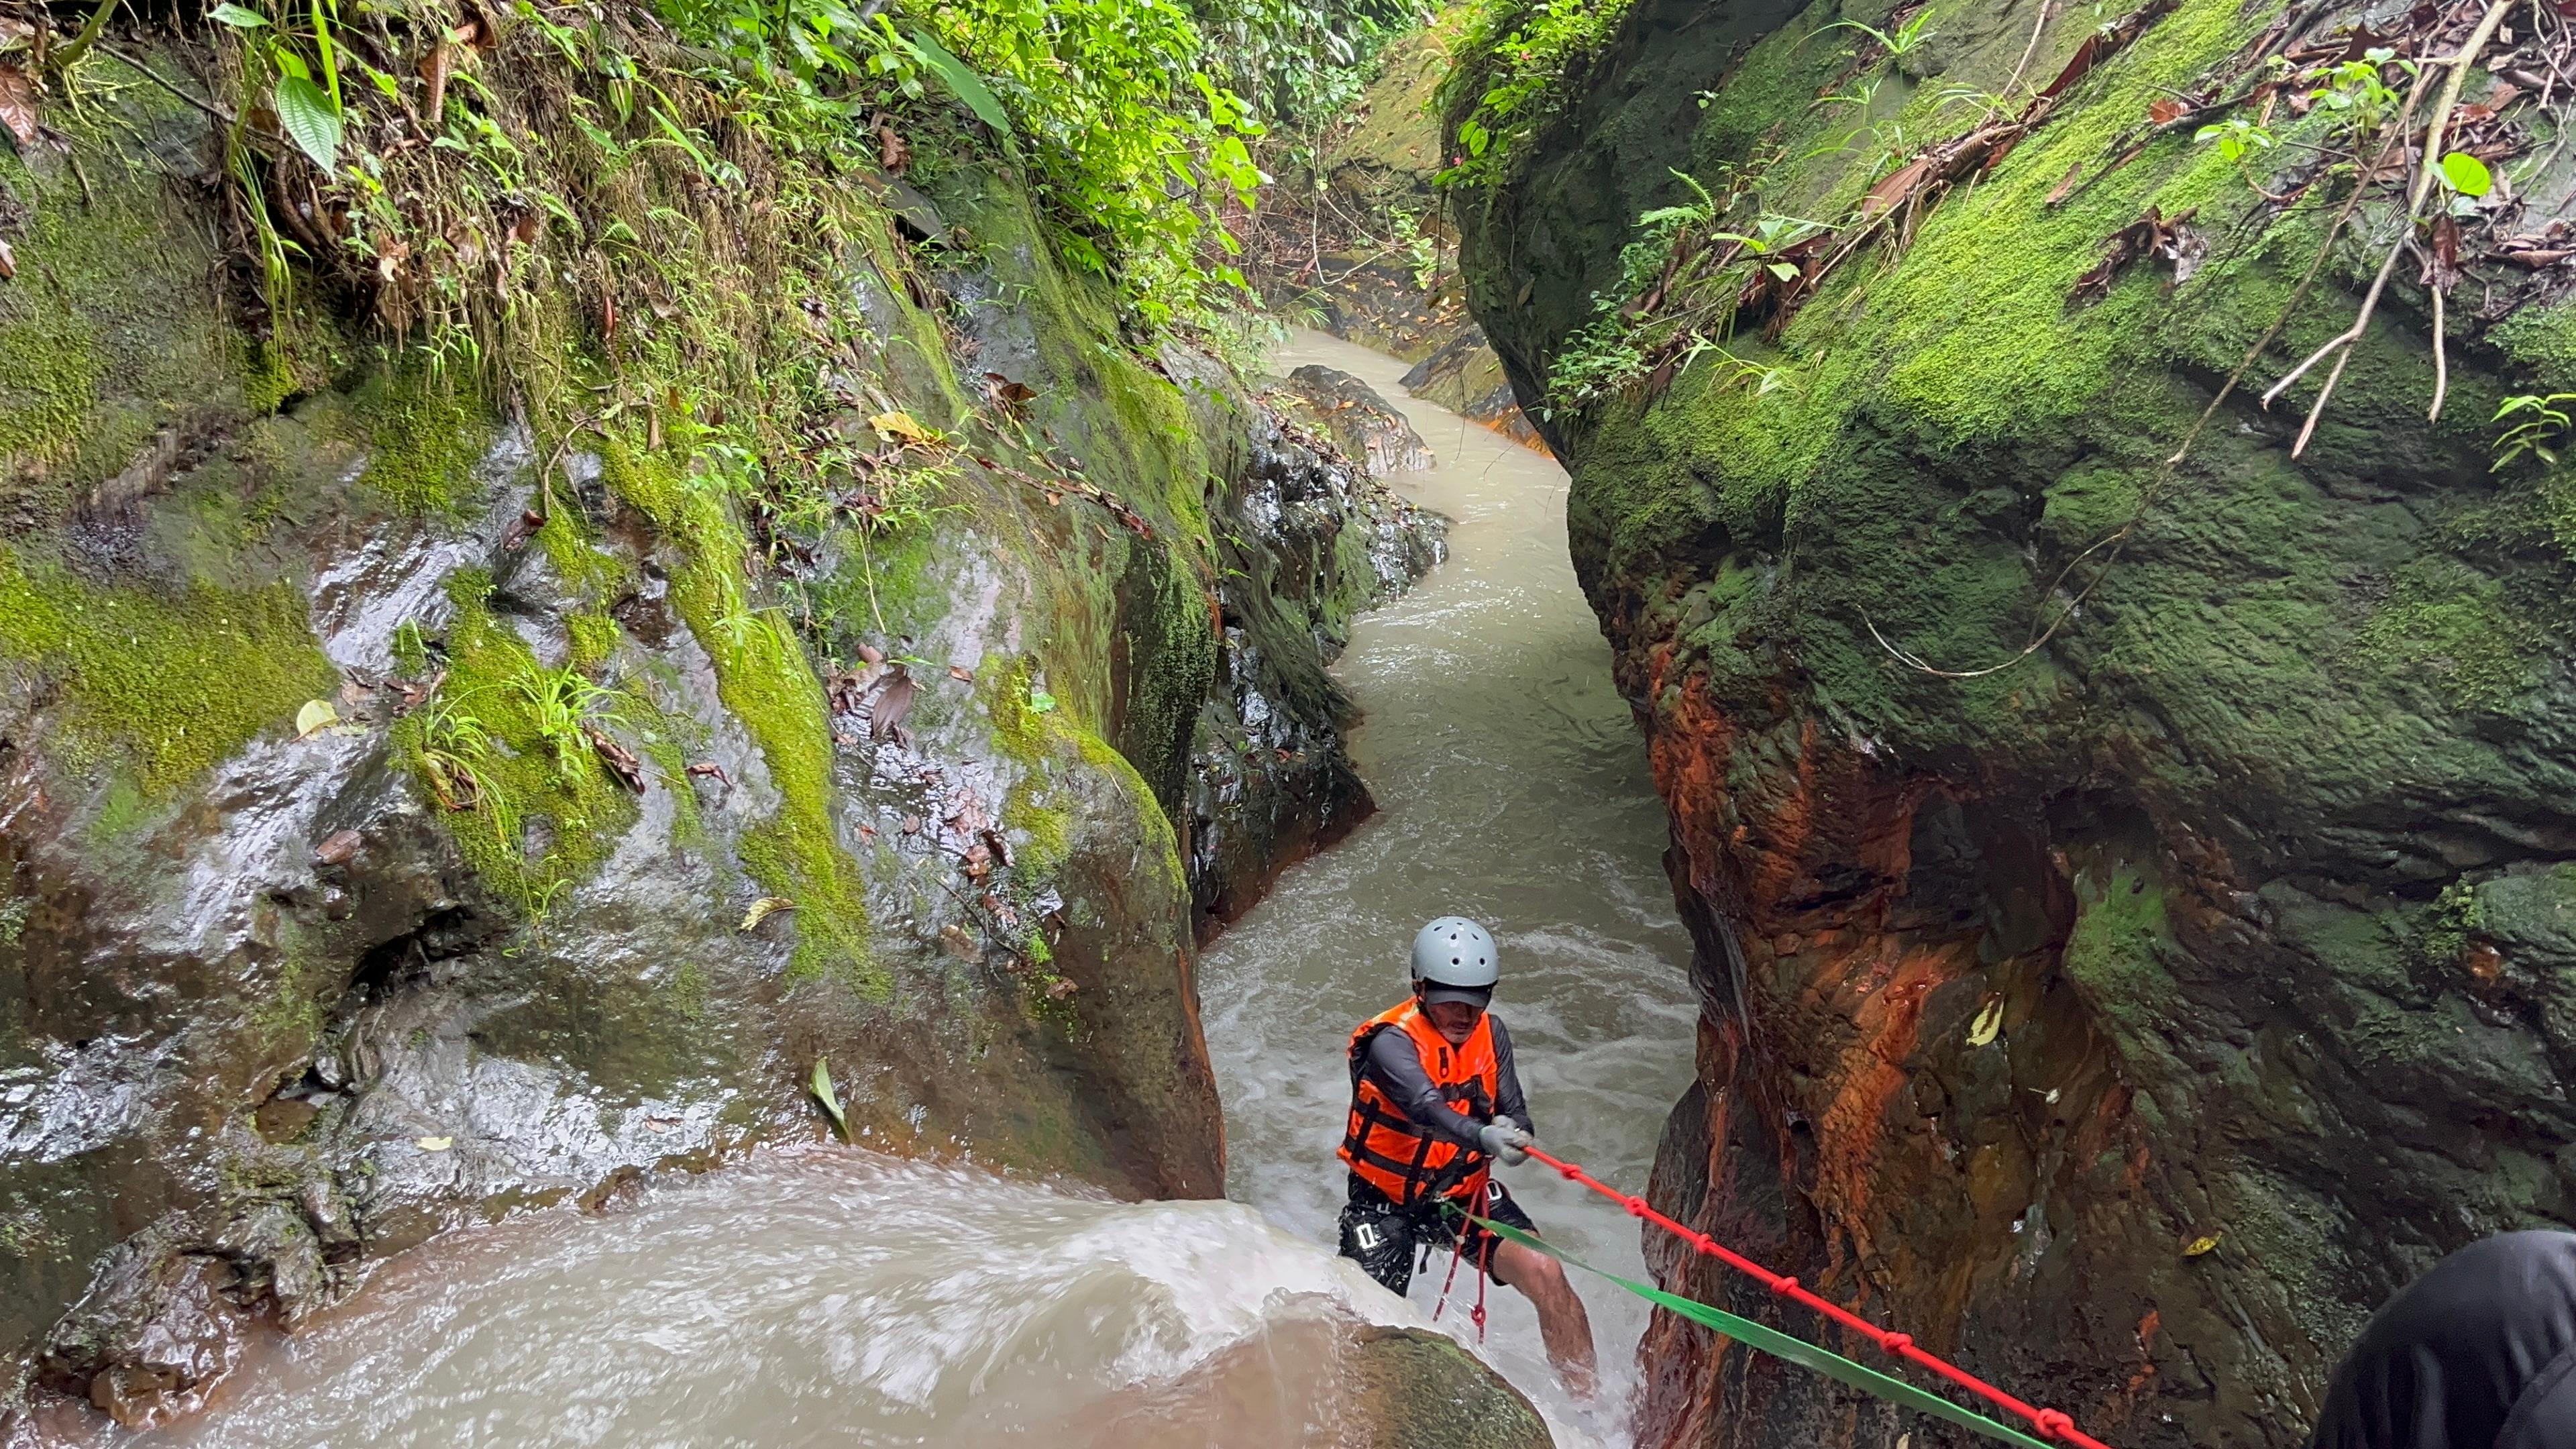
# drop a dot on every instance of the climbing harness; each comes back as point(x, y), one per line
point(1468, 1217)
point(2052, 1425)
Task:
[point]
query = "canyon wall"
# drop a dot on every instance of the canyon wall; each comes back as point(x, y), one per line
point(436, 783)
point(2135, 899)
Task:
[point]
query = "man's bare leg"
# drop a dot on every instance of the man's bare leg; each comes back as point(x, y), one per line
point(1562, 1324)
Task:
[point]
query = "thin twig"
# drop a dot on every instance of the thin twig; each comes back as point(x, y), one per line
point(2028, 51)
point(2299, 293)
point(2115, 540)
point(2350, 338)
point(157, 79)
point(2441, 357)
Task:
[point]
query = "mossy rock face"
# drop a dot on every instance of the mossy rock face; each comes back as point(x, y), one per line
point(1416, 1389)
point(2228, 912)
point(411, 818)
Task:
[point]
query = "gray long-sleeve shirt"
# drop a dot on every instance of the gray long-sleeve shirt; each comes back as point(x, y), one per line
point(1397, 1068)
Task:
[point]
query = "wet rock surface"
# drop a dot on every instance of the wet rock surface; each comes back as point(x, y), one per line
point(1324, 1382)
point(312, 946)
point(1313, 540)
point(1359, 423)
point(2130, 1021)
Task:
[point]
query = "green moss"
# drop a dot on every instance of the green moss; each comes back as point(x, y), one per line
point(2543, 340)
point(765, 679)
point(1161, 843)
point(2114, 952)
point(424, 437)
point(108, 330)
point(53, 386)
point(158, 686)
point(268, 377)
point(1966, 334)
point(2443, 928)
point(545, 811)
point(2448, 622)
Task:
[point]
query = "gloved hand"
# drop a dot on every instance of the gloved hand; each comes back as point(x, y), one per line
point(1505, 1141)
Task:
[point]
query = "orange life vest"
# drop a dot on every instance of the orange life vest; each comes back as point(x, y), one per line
point(1410, 1164)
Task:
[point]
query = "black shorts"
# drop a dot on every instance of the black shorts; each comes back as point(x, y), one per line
point(1385, 1239)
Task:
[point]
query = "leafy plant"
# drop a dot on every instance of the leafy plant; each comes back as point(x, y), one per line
point(2466, 179)
point(563, 701)
point(308, 112)
point(1904, 40)
point(1512, 58)
point(2237, 137)
point(2358, 96)
point(2540, 422)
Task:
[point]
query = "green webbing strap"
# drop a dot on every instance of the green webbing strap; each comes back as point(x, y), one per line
point(1781, 1345)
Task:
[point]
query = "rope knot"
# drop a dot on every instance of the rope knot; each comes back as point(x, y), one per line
point(1785, 1286)
point(1569, 1171)
point(2053, 1423)
point(1896, 1342)
point(1636, 1207)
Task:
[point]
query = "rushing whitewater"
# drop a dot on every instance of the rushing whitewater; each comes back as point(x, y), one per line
point(812, 1298)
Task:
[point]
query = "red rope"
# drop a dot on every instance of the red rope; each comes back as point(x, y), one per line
point(2048, 1423)
point(1458, 1250)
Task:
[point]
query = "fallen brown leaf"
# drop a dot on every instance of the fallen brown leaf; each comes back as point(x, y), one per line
point(892, 703)
point(961, 674)
point(620, 760)
point(711, 771)
point(516, 535)
point(18, 106)
point(338, 848)
point(957, 941)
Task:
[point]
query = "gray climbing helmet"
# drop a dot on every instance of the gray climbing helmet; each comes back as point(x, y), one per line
point(1454, 960)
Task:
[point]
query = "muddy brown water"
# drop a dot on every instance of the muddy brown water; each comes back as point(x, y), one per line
point(819, 1297)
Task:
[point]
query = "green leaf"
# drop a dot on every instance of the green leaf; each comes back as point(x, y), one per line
point(2467, 174)
point(969, 86)
point(310, 119)
point(821, 1086)
point(1040, 702)
point(236, 16)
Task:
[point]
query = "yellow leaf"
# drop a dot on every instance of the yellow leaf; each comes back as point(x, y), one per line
point(764, 908)
point(317, 714)
point(434, 1144)
point(2201, 1246)
point(1988, 1022)
point(902, 425)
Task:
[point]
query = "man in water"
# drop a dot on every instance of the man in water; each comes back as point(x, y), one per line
point(1434, 1100)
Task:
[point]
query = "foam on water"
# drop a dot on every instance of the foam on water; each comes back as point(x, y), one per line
point(804, 1298)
